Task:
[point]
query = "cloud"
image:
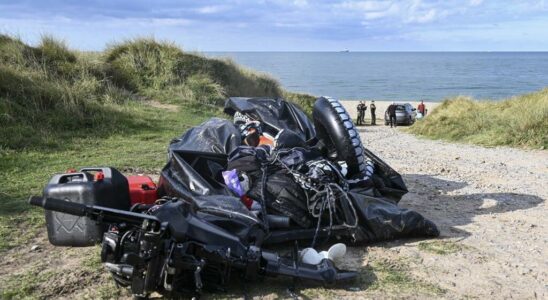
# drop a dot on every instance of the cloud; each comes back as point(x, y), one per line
point(415, 11)
point(426, 16)
point(366, 6)
point(300, 3)
point(475, 2)
point(275, 24)
point(211, 9)
point(371, 10)
point(423, 17)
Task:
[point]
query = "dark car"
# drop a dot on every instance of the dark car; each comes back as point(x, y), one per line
point(405, 114)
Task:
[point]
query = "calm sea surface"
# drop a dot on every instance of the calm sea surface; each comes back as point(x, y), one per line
point(402, 75)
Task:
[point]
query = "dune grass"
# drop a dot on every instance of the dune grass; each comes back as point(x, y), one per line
point(68, 92)
point(61, 108)
point(520, 121)
point(164, 71)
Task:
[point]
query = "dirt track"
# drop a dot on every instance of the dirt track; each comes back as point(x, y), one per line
point(489, 204)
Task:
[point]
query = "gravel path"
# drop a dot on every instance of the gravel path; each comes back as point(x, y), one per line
point(490, 206)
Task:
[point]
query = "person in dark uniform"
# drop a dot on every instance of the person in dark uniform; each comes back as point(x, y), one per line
point(392, 115)
point(372, 108)
point(361, 112)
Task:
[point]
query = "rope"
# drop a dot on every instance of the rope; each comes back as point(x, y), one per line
point(324, 195)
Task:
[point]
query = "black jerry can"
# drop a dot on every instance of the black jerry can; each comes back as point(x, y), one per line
point(91, 186)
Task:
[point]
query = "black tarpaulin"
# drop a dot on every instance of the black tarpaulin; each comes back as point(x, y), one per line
point(197, 159)
point(215, 135)
point(276, 114)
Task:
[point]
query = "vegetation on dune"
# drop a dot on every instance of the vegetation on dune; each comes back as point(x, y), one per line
point(60, 108)
point(146, 66)
point(48, 91)
point(63, 109)
point(74, 95)
point(305, 101)
point(519, 121)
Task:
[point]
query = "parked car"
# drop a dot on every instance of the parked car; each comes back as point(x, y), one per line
point(405, 114)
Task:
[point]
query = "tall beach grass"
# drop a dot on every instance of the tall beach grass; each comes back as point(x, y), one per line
point(520, 121)
point(50, 93)
point(61, 108)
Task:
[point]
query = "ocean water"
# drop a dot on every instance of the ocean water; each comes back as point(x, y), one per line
point(430, 76)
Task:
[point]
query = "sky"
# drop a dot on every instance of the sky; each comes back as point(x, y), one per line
point(277, 25)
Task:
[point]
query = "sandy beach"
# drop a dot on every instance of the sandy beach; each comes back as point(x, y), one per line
point(350, 106)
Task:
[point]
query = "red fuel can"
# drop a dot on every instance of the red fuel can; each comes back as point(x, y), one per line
point(142, 189)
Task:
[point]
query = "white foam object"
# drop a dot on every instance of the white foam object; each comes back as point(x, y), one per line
point(336, 251)
point(311, 256)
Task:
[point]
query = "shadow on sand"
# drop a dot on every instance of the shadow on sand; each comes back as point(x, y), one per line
point(430, 196)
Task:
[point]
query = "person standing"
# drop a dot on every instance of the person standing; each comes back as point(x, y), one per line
point(422, 108)
point(364, 107)
point(372, 108)
point(360, 111)
point(392, 114)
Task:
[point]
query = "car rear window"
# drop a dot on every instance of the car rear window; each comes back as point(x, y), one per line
point(400, 107)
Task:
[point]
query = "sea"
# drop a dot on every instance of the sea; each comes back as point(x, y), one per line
point(399, 76)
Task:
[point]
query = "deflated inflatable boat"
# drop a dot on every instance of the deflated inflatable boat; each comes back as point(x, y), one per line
point(317, 174)
point(229, 189)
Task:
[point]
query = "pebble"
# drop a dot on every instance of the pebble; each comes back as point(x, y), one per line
point(35, 248)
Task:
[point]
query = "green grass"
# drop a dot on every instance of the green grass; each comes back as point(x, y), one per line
point(441, 247)
point(142, 64)
point(138, 149)
point(25, 284)
point(395, 276)
point(305, 101)
point(42, 281)
point(63, 109)
point(520, 121)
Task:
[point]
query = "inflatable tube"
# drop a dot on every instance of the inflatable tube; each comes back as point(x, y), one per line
point(335, 129)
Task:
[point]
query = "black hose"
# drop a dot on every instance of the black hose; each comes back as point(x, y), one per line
point(264, 168)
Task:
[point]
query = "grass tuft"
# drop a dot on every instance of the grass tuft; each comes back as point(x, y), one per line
point(441, 247)
point(395, 276)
